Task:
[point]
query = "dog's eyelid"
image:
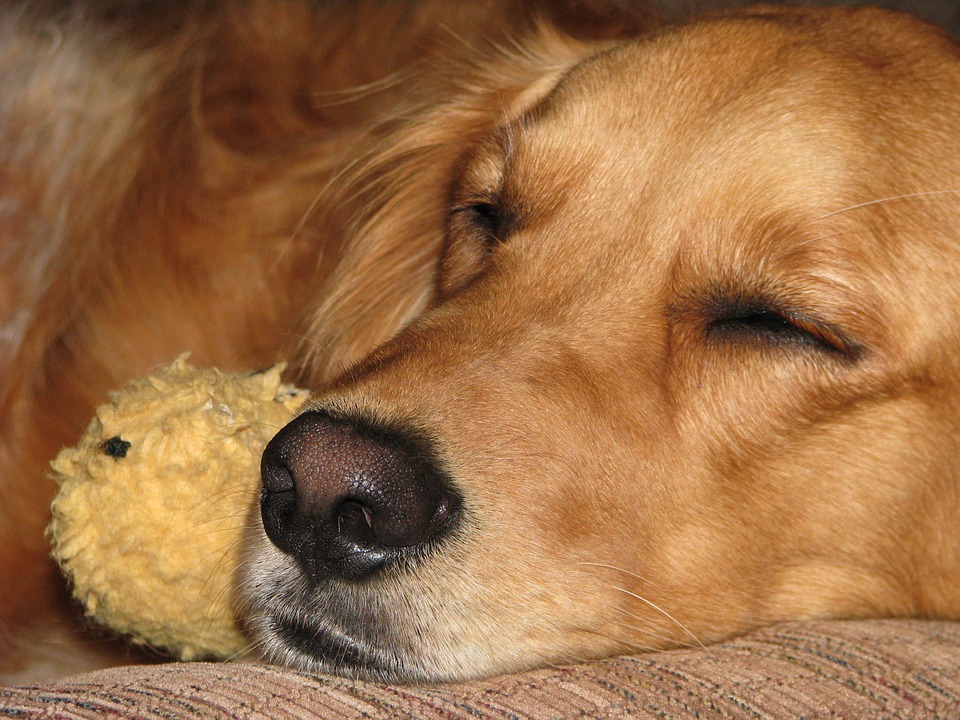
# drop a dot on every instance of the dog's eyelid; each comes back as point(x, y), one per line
point(781, 324)
point(470, 203)
point(488, 214)
point(829, 337)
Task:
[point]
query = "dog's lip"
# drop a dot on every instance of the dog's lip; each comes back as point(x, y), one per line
point(327, 645)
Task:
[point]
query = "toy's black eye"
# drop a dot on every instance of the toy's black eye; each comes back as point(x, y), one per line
point(759, 322)
point(115, 447)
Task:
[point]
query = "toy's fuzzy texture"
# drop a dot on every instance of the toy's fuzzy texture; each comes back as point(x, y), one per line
point(154, 499)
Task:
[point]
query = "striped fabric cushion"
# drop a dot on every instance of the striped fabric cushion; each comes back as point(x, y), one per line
point(878, 669)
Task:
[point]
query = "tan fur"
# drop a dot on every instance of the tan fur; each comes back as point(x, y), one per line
point(632, 478)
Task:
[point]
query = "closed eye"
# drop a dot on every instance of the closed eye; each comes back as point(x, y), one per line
point(476, 225)
point(488, 218)
point(770, 325)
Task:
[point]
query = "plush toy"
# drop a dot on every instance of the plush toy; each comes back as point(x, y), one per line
point(154, 500)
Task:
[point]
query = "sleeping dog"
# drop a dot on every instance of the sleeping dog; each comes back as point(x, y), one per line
point(622, 338)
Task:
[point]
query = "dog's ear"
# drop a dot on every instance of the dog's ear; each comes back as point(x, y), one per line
point(391, 203)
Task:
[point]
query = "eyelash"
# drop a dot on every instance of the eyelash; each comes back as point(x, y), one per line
point(767, 323)
point(487, 216)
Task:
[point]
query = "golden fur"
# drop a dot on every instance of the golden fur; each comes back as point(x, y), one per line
point(681, 314)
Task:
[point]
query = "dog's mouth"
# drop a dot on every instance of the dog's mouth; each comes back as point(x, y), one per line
point(329, 629)
point(330, 649)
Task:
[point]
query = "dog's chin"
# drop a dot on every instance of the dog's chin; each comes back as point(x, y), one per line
point(334, 627)
point(320, 647)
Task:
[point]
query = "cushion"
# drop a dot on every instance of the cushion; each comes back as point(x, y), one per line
point(866, 669)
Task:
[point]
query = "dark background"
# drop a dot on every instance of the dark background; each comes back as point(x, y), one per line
point(945, 13)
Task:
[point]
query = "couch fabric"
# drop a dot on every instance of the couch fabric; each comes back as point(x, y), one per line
point(877, 669)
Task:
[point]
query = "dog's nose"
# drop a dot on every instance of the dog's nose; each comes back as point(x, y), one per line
point(347, 498)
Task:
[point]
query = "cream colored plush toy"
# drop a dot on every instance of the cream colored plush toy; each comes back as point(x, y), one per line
point(154, 499)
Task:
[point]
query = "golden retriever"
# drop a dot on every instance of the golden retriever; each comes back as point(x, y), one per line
point(621, 338)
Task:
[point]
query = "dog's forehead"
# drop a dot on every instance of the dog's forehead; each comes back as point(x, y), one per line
point(826, 67)
point(639, 123)
point(783, 106)
point(646, 104)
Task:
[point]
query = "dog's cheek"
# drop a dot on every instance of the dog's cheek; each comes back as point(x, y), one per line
point(554, 546)
point(528, 608)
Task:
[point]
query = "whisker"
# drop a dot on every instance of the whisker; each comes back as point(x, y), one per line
point(632, 644)
point(650, 633)
point(663, 612)
point(643, 599)
point(629, 646)
point(567, 658)
point(615, 569)
point(907, 196)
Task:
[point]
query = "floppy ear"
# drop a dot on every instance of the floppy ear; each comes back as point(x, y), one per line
point(396, 193)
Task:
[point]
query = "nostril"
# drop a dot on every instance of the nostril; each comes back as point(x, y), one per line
point(347, 498)
point(276, 476)
point(411, 517)
point(355, 520)
point(278, 505)
point(356, 514)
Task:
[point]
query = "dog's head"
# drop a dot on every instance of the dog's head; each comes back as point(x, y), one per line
point(692, 365)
